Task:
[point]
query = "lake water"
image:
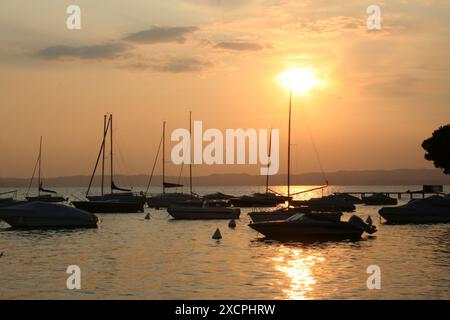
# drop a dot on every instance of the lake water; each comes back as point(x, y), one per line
point(128, 257)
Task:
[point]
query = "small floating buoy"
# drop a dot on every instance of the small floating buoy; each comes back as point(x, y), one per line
point(147, 217)
point(369, 220)
point(217, 235)
point(232, 224)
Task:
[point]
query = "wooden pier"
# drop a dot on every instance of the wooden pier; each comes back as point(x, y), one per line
point(427, 190)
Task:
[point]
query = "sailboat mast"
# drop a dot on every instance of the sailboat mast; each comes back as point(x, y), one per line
point(270, 154)
point(39, 171)
point(289, 147)
point(164, 157)
point(190, 152)
point(103, 155)
point(111, 150)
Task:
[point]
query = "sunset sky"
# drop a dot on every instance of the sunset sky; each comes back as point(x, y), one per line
point(381, 94)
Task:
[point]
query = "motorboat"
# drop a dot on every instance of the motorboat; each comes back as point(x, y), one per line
point(348, 198)
point(303, 227)
point(379, 199)
point(203, 213)
point(327, 203)
point(285, 213)
point(109, 206)
point(43, 215)
point(433, 209)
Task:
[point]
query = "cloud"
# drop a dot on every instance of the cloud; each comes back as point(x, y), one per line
point(239, 46)
point(173, 65)
point(223, 4)
point(160, 35)
point(96, 52)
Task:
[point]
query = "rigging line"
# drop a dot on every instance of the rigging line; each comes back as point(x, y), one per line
point(32, 177)
point(154, 165)
point(315, 148)
point(123, 162)
point(102, 149)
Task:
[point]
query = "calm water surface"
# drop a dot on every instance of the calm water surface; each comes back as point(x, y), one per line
point(128, 257)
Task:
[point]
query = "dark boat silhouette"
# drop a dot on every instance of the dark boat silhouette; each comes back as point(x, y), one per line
point(379, 199)
point(435, 209)
point(44, 215)
point(285, 213)
point(203, 213)
point(218, 196)
point(166, 199)
point(44, 195)
point(304, 227)
point(330, 203)
point(123, 202)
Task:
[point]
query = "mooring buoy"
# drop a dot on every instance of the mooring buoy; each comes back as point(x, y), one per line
point(232, 224)
point(217, 235)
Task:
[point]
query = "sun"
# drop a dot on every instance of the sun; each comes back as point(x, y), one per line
point(299, 80)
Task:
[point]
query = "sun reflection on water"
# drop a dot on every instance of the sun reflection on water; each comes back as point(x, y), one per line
point(297, 265)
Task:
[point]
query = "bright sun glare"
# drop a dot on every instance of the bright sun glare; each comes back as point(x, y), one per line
point(298, 80)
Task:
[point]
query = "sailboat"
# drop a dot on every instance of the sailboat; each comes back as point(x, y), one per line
point(44, 195)
point(311, 225)
point(269, 198)
point(196, 208)
point(165, 199)
point(113, 202)
point(124, 194)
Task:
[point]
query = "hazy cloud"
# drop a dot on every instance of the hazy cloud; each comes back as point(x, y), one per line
point(239, 46)
point(173, 65)
point(161, 35)
point(97, 52)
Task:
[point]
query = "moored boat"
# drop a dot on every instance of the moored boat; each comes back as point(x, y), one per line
point(164, 200)
point(218, 196)
point(46, 198)
point(43, 215)
point(122, 202)
point(327, 203)
point(253, 202)
point(302, 227)
point(435, 209)
point(203, 213)
point(348, 198)
point(285, 213)
point(44, 195)
point(109, 206)
point(379, 199)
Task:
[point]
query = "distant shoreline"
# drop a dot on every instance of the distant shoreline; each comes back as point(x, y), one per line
point(364, 177)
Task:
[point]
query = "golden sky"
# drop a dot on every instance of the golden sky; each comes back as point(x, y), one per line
point(146, 61)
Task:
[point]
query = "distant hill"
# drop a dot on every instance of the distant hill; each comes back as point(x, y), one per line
point(366, 177)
